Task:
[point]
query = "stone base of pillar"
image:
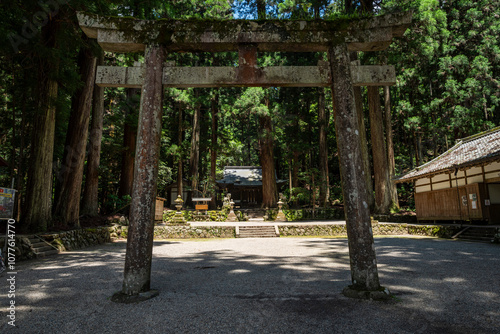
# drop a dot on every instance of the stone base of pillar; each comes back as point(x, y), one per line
point(123, 298)
point(231, 217)
point(381, 294)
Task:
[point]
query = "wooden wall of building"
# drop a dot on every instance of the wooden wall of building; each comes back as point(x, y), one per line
point(486, 174)
point(471, 194)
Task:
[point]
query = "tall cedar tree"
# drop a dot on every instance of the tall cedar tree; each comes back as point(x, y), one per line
point(38, 202)
point(90, 199)
point(71, 175)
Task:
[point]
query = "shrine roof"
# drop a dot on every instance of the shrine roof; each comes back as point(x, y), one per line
point(242, 176)
point(479, 149)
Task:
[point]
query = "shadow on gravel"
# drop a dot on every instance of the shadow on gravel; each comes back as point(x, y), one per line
point(275, 286)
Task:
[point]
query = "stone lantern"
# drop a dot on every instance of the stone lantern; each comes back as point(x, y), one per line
point(231, 217)
point(281, 216)
point(178, 217)
point(178, 203)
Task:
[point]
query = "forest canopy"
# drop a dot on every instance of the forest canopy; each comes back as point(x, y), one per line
point(447, 65)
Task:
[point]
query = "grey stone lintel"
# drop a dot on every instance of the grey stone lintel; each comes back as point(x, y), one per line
point(278, 76)
point(132, 35)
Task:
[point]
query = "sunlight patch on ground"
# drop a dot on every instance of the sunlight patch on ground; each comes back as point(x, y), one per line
point(239, 271)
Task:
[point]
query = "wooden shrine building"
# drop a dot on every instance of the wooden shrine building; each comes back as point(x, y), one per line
point(462, 184)
point(244, 183)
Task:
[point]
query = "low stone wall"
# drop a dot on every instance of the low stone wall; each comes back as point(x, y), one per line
point(77, 239)
point(313, 230)
point(433, 230)
point(181, 232)
point(396, 218)
point(22, 248)
point(308, 214)
point(378, 229)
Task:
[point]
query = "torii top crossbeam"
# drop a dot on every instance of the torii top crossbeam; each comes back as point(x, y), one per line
point(132, 35)
point(246, 37)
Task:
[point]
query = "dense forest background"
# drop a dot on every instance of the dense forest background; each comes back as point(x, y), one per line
point(66, 140)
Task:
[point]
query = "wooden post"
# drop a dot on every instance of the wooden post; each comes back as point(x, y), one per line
point(364, 274)
point(137, 275)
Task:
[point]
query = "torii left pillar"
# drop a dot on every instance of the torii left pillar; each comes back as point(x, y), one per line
point(137, 274)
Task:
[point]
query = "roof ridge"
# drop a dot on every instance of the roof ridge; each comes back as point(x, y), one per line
point(479, 135)
point(448, 160)
point(458, 143)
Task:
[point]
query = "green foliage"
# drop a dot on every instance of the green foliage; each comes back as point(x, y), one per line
point(447, 65)
point(336, 194)
point(214, 215)
point(241, 216)
point(293, 215)
point(306, 214)
point(252, 101)
point(169, 215)
point(117, 203)
point(164, 177)
point(448, 69)
point(299, 195)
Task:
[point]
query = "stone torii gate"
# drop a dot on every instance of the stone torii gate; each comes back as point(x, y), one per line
point(155, 38)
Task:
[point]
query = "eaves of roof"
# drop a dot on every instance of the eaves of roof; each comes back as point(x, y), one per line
point(477, 150)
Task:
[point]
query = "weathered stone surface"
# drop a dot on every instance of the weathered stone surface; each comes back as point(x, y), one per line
point(76, 239)
point(373, 75)
point(137, 274)
point(380, 294)
point(274, 76)
point(131, 35)
point(231, 217)
point(363, 261)
point(123, 298)
point(114, 76)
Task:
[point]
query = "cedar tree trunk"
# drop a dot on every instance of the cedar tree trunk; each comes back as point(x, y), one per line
point(90, 201)
point(129, 142)
point(214, 146)
point(71, 173)
point(38, 200)
point(390, 145)
point(269, 189)
point(179, 163)
point(195, 149)
point(323, 119)
point(380, 167)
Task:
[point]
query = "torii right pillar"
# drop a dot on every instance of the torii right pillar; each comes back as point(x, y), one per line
point(364, 273)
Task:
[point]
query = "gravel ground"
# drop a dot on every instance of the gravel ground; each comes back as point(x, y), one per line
point(282, 285)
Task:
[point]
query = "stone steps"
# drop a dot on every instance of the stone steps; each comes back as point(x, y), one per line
point(41, 248)
point(480, 234)
point(257, 232)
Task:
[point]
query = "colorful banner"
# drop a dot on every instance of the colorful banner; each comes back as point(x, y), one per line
point(7, 202)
